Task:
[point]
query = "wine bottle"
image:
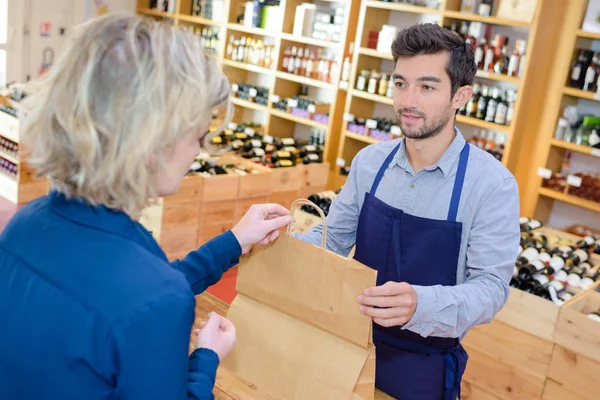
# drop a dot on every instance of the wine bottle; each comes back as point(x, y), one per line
point(595, 316)
point(585, 243)
point(283, 164)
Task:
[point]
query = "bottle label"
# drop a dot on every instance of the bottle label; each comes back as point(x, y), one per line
point(501, 114)
point(284, 154)
point(258, 152)
point(256, 143)
point(595, 317)
point(372, 86)
point(340, 162)
point(371, 124)
point(576, 73)
point(288, 141)
point(249, 131)
point(590, 75)
point(574, 181)
point(593, 140)
point(534, 224)
point(312, 109)
point(574, 280)
point(395, 130)
point(544, 173)
point(275, 99)
point(313, 157)
point(542, 279)
point(478, 55)
point(360, 83)
point(561, 276)
point(310, 148)
point(509, 113)
point(489, 59)
point(583, 256)
point(485, 10)
point(538, 264)
point(349, 117)
point(293, 103)
point(513, 64)
point(290, 149)
point(268, 139)
point(491, 110)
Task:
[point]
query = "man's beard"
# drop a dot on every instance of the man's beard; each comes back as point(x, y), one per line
point(427, 129)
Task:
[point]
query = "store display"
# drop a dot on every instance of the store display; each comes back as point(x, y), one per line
point(375, 82)
point(303, 106)
point(491, 104)
point(251, 51)
point(585, 71)
point(485, 8)
point(8, 168)
point(584, 185)
point(309, 63)
point(8, 147)
point(376, 127)
point(319, 22)
point(553, 273)
point(264, 14)
point(249, 141)
point(491, 55)
point(209, 37)
point(490, 141)
point(577, 129)
point(435, 4)
point(322, 200)
point(244, 91)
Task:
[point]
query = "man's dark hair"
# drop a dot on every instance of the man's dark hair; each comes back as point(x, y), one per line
point(423, 39)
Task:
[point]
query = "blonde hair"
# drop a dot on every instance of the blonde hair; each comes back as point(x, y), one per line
point(126, 89)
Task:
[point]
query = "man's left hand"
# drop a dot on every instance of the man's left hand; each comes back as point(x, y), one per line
point(396, 302)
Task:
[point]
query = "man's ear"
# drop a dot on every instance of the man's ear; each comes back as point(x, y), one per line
point(461, 97)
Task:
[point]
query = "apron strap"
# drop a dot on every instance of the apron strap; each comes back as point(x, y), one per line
point(458, 183)
point(381, 171)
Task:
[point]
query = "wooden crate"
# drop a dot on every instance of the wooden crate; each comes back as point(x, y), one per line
point(286, 198)
point(315, 175)
point(575, 360)
point(506, 362)
point(286, 179)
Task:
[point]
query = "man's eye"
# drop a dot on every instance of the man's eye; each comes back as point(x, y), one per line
point(400, 84)
point(428, 88)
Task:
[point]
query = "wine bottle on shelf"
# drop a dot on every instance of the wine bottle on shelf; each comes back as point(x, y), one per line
point(483, 101)
point(485, 8)
point(492, 105)
point(591, 75)
point(575, 80)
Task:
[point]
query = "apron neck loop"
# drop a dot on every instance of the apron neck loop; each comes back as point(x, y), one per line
point(458, 183)
point(381, 171)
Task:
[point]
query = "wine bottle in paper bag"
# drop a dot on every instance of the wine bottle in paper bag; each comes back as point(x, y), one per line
point(300, 334)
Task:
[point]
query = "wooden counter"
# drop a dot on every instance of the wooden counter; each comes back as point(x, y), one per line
point(228, 386)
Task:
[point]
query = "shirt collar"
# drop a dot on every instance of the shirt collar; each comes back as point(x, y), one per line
point(445, 162)
point(104, 219)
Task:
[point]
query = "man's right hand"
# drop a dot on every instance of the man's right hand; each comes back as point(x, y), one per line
point(216, 334)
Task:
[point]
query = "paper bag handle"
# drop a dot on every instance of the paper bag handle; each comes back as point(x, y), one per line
point(321, 214)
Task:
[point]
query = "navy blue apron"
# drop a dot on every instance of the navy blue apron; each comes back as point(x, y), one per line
point(419, 251)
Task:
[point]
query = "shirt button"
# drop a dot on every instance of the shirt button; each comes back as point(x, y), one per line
point(412, 186)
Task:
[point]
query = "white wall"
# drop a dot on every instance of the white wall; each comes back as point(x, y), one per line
point(25, 20)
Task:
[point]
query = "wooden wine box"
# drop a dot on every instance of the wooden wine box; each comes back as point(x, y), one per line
point(205, 206)
point(575, 363)
point(509, 358)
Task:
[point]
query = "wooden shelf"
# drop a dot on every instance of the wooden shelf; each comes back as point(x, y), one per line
point(247, 67)
point(249, 104)
point(487, 20)
point(309, 41)
point(361, 138)
point(303, 80)
point(374, 53)
point(575, 147)
point(588, 35)
point(373, 97)
point(582, 94)
point(251, 30)
point(402, 7)
point(573, 200)
point(198, 20)
point(482, 124)
point(300, 120)
point(155, 13)
point(496, 77)
point(9, 158)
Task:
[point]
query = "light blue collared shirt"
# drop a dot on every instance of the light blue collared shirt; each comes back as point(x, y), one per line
point(488, 210)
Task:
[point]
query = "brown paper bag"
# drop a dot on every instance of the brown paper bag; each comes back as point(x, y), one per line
point(300, 335)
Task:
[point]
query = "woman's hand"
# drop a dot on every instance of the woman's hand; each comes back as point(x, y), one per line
point(216, 334)
point(261, 224)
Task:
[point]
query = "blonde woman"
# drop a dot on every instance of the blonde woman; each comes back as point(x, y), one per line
point(90, 308)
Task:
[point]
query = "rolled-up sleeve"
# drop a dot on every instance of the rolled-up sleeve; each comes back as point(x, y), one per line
point(493, 241)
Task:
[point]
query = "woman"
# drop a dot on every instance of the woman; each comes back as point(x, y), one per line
point(90, 307)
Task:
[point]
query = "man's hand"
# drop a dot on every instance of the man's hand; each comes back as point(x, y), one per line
point(397, 302)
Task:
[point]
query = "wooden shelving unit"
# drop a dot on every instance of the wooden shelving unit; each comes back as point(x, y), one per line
point(374, 14)
point(549, 153)
point(276, 122)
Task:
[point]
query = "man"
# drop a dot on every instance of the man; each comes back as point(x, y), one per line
point(436, 217)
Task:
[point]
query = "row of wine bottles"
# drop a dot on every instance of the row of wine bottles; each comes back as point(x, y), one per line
point(323, 200)
point(249, 141)
point(555, 273)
